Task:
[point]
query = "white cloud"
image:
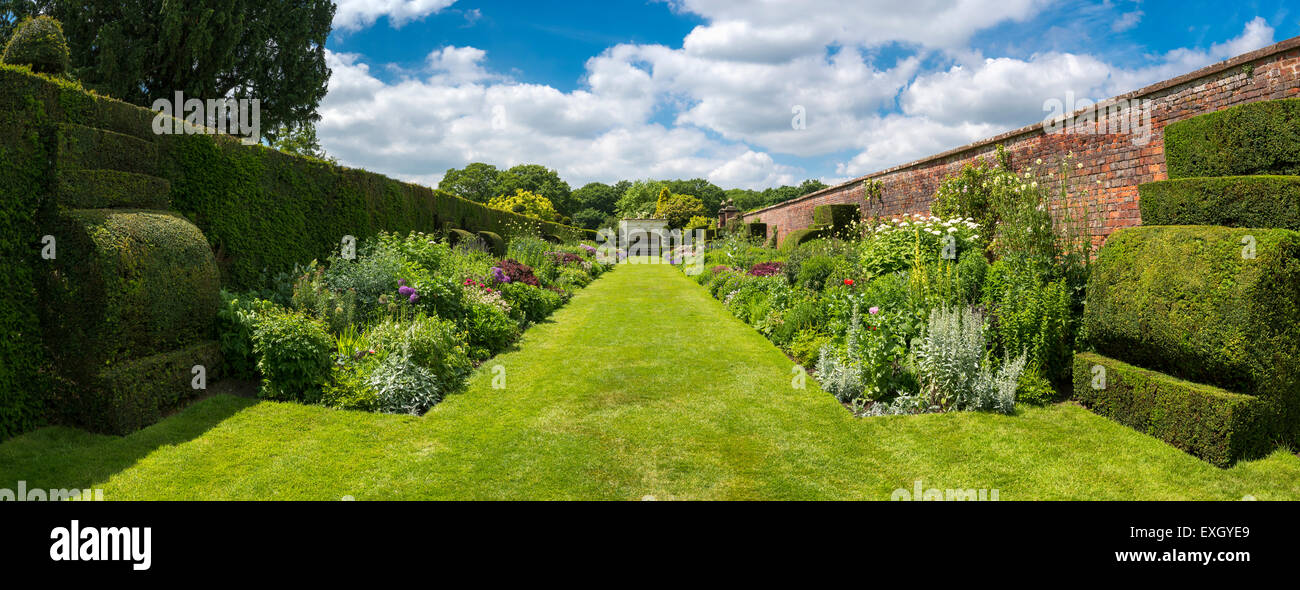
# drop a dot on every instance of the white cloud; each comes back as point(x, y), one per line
point(359, 14)
point(947, 109)
point(897, 139)
point(1005, 92)
point(744, 169)
point(1127, 21)
point(804, 28)
point(722, 105)
point(417, 128)
point(1257, 34)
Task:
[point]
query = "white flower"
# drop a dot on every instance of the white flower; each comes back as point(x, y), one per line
point(952, 230)
point(1039, 161)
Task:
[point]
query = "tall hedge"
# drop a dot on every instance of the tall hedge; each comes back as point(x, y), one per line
point(1233, 201)
point(23, 170)
point(1245, 140)
point(1207, 304)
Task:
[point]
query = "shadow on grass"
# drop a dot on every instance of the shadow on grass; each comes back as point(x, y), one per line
point(60, 457)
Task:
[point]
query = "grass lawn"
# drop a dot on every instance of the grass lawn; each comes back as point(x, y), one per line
point(642, 385)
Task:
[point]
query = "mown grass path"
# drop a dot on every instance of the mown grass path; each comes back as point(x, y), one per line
point(642, 386)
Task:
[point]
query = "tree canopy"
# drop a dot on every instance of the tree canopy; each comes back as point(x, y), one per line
point(538, 179)
point(476, 182)
point(526, 203)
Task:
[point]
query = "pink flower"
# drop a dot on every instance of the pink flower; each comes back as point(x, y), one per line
point(874, 310)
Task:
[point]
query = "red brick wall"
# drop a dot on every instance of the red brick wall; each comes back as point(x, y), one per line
point(1105, 187)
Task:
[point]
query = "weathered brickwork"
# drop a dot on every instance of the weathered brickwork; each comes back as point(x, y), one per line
point(1104, 188)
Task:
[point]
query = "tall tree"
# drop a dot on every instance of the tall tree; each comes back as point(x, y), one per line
point(477, 182)
point(144, 50)
point(711, 195)
point(539, 179)
point(640, 198)
point(599, 196)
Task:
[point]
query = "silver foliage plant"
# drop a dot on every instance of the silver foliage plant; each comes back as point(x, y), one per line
point(840, 374)
point(952, 367)
point(404, 386)
point(951, 363)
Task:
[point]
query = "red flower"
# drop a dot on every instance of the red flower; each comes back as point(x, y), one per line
point(848, 282)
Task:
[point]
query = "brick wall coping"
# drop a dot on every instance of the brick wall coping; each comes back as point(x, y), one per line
point(1204, 72)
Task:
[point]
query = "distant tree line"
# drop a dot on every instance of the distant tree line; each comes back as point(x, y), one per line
point(597, 204)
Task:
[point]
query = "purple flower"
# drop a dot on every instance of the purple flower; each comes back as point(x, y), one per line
point(414, 297)
point(406, 291)
point(401, 282)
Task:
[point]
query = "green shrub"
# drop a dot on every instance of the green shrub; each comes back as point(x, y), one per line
point(236, 320)
point(798, 311)
point(490, 329)
point(403, 386)
point(814, 272)
point(373, 277)
point(293, 355)
point(1234, 201)
point(806, 346)
point(1256, 138)
point(1208, 304)
point(38, 43)
point(338, 308)
point(431, 342)
point(529, 304)
point(1211, 423)
point(87, 148)
point(1034, 318)
point(349, 386)
point(529, 251)
point(871, 364)
point(972, 269)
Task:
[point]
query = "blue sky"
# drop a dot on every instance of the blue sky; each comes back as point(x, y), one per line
point(603, 91)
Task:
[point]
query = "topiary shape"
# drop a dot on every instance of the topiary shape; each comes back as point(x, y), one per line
point(38, 43)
